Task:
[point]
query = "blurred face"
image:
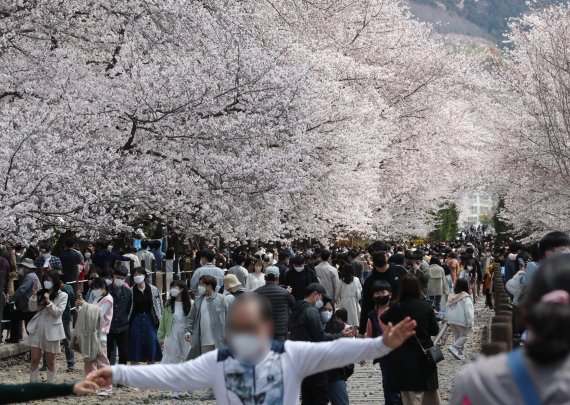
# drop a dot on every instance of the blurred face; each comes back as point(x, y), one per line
point(327, 307)
point(557, 251)
point(249, 335)
point(245, 318)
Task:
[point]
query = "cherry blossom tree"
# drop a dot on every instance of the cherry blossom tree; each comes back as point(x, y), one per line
point(243, 120)
point(536, 79)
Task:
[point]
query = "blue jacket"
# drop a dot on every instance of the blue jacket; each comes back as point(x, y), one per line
point(104, 258)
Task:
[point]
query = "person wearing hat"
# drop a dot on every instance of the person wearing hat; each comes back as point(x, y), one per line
point(21, 297)
point(306, 325)
point(232, 286)
point(281, 302)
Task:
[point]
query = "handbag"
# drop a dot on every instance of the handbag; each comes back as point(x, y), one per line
point(433, 354)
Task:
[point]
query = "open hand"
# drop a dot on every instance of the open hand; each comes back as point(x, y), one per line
point(102, 377)
point(395, 336)
point(85, 388)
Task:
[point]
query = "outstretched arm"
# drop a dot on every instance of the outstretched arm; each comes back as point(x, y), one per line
point(313, 358)
point(188, 376)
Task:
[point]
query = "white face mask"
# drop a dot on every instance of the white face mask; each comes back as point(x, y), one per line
point(326, 316)
point(110, 247)
point(469, 268)
point(247, 347)
point(97, 293)
point(174, 292)
point(299, 268)
point(46, 255)
point(87, 255)
point(319, 304)
point(201, 290)
point(108, 281)
point(48, 285)
point(119, 282)
point(138, 279)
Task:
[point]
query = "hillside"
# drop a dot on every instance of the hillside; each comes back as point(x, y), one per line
point(479, 18)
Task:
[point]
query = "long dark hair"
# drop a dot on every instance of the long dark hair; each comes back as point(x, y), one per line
point(409, 288)
point(347, 273)
point(549, 321)
point(52, 275)
point(461, 285)
point(183, 293)
point(99, 282)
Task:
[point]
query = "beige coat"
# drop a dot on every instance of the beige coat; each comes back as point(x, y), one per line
point(328, 277)
point(53, 312)
point(437, 283)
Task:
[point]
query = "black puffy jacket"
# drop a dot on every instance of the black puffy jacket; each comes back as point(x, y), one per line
point(281, 303)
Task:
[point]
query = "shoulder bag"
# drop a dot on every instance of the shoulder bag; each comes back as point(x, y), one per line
point(433, 354)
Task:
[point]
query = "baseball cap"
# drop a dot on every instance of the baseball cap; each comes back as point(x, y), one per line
point(272, 271)
point(311, 288)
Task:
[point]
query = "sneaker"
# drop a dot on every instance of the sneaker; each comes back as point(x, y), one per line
point(456, 353)
point(174, 395)
point(70, 369)
point(103, 393)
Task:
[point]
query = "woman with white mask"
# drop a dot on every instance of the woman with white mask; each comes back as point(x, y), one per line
point(256, 278)
point(175, 348)
point(144, 321)
point(46, 327)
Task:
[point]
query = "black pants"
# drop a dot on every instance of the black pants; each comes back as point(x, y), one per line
point(16, 319)
point(314, 390)
point(117, 341)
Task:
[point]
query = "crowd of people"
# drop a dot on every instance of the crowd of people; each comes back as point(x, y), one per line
point(263, 325)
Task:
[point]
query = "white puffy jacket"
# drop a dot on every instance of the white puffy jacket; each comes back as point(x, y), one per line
point(460, 310)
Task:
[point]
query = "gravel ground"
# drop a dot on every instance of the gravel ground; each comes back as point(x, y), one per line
point(364, 385)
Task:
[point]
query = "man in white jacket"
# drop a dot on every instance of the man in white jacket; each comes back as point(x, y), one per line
point(255, 369)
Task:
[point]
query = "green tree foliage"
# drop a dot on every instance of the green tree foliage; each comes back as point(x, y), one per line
point(503, 229)
point(446, 223)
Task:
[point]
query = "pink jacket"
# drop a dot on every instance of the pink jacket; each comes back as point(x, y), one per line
point(107, 313)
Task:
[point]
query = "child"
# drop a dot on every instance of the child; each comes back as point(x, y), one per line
point(381, 294)
point(460, 316)
point(104, 302)
point(171, 330)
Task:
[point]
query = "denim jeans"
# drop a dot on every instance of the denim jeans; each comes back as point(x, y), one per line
point(436, 301)
point(69, 355)
point(337, 393)
point(390, 397)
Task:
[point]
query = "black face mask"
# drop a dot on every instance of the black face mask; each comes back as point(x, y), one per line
point(382, 300)
point(380, 261)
